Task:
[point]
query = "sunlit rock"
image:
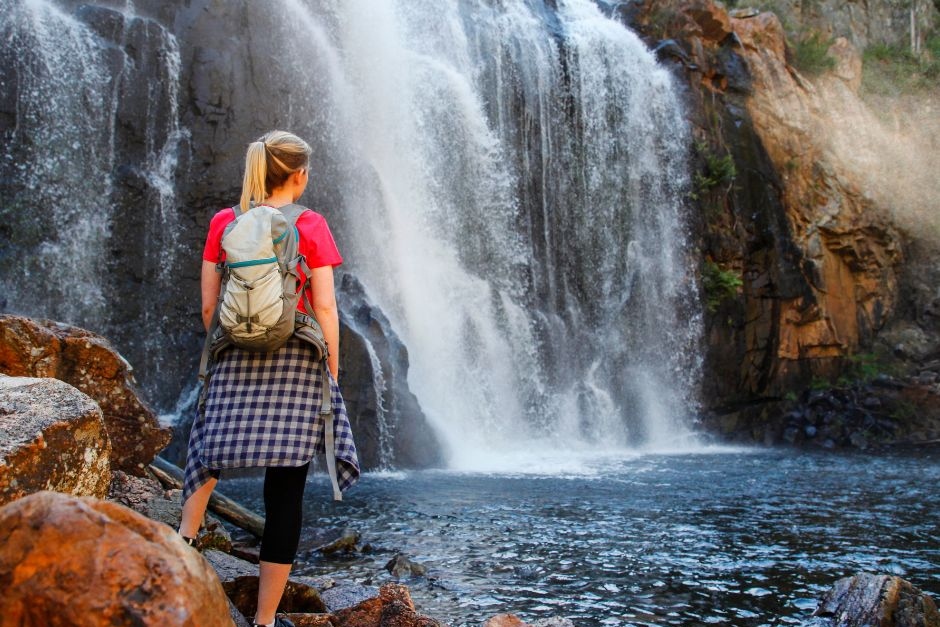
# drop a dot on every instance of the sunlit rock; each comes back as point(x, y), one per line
point(67, 560)
point(868, 599)
point(34, 348)
point(52, 437)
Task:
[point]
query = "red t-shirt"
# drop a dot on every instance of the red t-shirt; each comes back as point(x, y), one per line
point(316, 242)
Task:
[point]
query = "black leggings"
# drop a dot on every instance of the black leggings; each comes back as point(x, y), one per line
point(283, 509)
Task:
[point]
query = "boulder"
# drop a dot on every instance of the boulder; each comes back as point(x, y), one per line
point(346, 595)
point(240, 582)
point(388, 423)
point(34, 348)
point(145, 495)
point(331, 541)
point(80, 561)
point(505, 620)
point(511, 620)
point(393, 607)
point(883, 600)
point(401, 566)
point(52, 437)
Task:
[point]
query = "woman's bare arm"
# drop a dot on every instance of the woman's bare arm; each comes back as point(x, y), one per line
point(324, 310)
point(211, 284)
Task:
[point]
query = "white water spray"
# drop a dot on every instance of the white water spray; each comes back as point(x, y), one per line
point(513, 180)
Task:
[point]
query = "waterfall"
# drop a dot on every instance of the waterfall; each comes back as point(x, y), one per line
point(512, 179)
point(506, 180)
point(57, 154)
point(89, 159)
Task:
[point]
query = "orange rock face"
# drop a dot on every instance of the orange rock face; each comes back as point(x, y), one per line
point(849, 249)
point(31, 348)
point(79, 561)
point(52, 437)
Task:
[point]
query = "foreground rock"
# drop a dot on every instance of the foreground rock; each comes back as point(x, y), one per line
point(511, 620)
point(881, 600)
point(52, 437)
point(240, 582)
point(80, 561)
point(33, 348)
point(393, 607)
point(146, 495)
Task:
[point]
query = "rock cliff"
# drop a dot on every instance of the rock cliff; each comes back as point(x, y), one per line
point(802, 253)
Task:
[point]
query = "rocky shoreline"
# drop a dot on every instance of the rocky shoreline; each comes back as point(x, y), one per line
point(90, 528)
point(89, 513)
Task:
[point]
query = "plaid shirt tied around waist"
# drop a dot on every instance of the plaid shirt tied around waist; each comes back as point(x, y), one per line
point(263, 409)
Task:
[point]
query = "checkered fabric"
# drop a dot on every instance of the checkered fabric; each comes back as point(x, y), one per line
point(262, 409)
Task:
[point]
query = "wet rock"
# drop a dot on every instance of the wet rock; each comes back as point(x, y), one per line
point(80, 561)
point(372, 350)
point(859, 441)
point(393, 606)
point(553, 621)
point(52, 437)
point(505, 620)
point(34, 348)
point(240, 582)
point(511, 620)
point(346, 595)
point(331, 541)
point(868, 599)
point(401, 566)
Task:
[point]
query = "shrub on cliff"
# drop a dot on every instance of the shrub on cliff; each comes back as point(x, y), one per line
point(811, 54)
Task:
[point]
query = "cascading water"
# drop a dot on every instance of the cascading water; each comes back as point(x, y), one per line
point(89, 163)
point(505, 179)
point(512, 180)
point(57, 154)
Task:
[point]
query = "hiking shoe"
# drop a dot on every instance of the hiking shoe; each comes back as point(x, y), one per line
point(278, 622)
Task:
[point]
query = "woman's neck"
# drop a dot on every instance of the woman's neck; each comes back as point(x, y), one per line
point(278, 200)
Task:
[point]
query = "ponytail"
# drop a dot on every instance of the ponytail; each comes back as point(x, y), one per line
point(256, 171)
point(268, 163)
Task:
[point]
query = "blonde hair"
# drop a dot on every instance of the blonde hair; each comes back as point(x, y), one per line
point(269, 161)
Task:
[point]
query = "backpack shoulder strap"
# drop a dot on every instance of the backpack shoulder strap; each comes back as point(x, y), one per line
point(292, 212)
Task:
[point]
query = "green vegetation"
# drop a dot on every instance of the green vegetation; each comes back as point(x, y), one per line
point(810, 54)
point(719, 285)
point(904, 411)
point(894, 70)
point(718, 170)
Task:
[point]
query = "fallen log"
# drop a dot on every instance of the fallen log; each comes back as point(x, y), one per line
point(171, 476)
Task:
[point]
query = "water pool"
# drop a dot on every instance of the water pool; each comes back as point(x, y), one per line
point(727, 537)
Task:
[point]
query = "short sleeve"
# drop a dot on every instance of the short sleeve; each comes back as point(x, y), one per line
point(213, 249)
point(316, 242)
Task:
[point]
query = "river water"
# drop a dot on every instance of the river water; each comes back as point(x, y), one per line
point(719, 536)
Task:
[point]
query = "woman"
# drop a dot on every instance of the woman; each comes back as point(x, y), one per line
point(248, 391)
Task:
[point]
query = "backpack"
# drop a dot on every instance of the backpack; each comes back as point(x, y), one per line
point(257, 304)
point(261, 284)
